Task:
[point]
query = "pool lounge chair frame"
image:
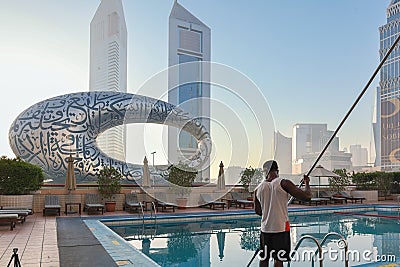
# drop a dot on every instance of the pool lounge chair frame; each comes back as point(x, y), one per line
point(22, 214)
point(51, 203)
point(159, 203)
point(17, 202)
point(9, 218)
point(207, 200)
point(93, 204)
point(132, 203)
point(333, 199)
point(349, 197)
point(238, 201)
point(318, 201)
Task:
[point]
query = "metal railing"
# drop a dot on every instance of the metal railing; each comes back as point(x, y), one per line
point(319, 248)
point(154, 208)
point(153, 214)
point(141, 208)
point(341, 241)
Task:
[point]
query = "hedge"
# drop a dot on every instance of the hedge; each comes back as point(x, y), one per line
point(18, 177)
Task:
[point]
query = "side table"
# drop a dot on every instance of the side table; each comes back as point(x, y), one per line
point(70, 204)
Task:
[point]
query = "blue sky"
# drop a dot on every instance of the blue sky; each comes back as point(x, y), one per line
point(310, 58)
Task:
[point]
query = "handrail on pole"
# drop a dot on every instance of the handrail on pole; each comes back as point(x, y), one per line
point(153, 206)
point(344, 242)
point(319, 248)
point(141, 207)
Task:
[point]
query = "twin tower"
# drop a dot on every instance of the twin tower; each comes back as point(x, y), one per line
point(189, 44)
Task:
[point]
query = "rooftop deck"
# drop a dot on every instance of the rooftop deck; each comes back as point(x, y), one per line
point(38, 244)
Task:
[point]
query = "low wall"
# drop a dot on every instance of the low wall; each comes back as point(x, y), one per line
point(371, 195)
point(36, 200)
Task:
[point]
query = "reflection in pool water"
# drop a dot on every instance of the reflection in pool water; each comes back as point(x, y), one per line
point(233, 242)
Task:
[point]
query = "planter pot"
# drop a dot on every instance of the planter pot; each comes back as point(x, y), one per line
point(181, 202)
point(110, 206)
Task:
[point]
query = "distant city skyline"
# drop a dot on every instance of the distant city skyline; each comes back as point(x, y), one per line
point(309, 64)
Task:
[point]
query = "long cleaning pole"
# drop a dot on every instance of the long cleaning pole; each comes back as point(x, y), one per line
point(342, 122)
point(350, 110)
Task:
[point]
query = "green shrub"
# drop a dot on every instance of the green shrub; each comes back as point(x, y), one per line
point(338, 184)
point(109, 181)
point(18, 177)
point(396, 183)
point(384, 182)
point(181, 178)
point(365, 181)
point(250, 178)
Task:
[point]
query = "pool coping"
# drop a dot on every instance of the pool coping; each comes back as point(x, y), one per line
point(127, 255)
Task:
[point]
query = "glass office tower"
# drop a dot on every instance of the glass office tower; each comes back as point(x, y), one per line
point(189, 45)
point(108, 66)
point(390, 91)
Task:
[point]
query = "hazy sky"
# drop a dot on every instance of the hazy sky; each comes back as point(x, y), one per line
point(310, 58)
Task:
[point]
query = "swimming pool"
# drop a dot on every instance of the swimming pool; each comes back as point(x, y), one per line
point(232, 242)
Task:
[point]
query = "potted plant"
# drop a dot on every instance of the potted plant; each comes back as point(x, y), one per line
point(109, 182)
point(249, 179)
point(181, 178)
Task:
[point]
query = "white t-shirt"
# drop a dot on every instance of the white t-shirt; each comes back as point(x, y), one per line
point(273, 199)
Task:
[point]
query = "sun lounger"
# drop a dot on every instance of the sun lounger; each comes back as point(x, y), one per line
point(332, 198)
point(51, 203)
point(318, 201)
point(207, 200)
point(239, 202)
point(9, 218)
point(160, 202)
point(131, 202)
point(349, 197)
point(22, 214)
point(29, 211)
point(93, 203)
point(314, 200)
point(16, 202)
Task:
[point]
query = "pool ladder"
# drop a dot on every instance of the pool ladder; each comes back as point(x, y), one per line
point(319, 247)
point(153, 214)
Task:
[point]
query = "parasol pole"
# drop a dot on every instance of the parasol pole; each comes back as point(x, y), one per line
point(350, 110)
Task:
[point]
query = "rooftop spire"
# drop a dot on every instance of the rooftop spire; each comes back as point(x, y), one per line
point(181, 13)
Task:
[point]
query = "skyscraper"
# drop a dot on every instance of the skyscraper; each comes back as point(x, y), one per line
point(308, 140)
point(390, 91)
point(189, 42)
point(376, 127)
point(283, 152)
point(359, 155)
point(108, 66)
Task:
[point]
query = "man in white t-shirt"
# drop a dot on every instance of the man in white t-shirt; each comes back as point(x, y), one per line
point(271, 204)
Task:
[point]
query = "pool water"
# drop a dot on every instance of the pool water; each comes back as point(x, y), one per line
point(233, 242)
